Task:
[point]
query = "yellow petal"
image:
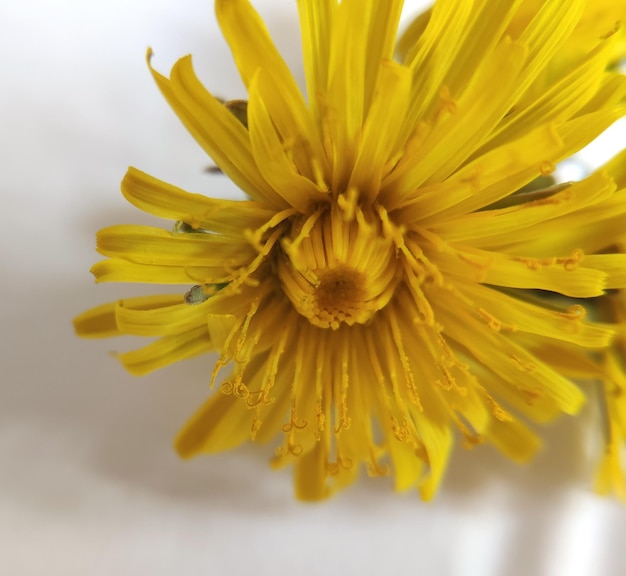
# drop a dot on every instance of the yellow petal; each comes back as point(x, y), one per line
point(492, 176)
point(251, 45)
point(160, 315)
point(221, 135)
point(223, 422)
point(166, 351)
point(147, 245)
point(435, 51)
point(513, 363)
point(316, 24)
point(98, 322)
point(561, 274)
point(562, 100)
point(495, 228)
point(381, 34)
point(412, 34)
point(167, 201)
point(586, 230)
point(272, 159)
point(456, 136)
point(613, 264)
point(564, 357)
point(384, 122)
point(407, 468)
point(610, 477)
point(437, 441)
point(616, 168)
point(544, 38)
point(345, 92)
point(526, 401)
point(220, 327)
point(310, 474)
point(515, 440)
point(253, 50)
point(501, 312)
point(118, 270)
point(611, 472)
point(456, 58)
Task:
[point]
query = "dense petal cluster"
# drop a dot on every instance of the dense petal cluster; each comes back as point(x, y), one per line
point(395, 277)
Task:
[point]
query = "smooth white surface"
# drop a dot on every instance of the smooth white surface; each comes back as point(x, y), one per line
point(89, 484)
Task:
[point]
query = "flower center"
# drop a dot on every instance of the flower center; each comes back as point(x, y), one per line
point(337, 272)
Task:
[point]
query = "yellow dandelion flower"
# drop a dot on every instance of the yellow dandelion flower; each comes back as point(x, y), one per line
point(378, 288)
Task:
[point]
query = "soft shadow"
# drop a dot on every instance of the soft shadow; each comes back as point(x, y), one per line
point(560, 464)
point(71, 414)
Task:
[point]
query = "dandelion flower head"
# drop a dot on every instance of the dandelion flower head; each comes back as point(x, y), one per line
point(380, 292)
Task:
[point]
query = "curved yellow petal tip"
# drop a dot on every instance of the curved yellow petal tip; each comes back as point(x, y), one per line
point(98, 322)
point(219, 425)
point(311, 475)
point(610, 476)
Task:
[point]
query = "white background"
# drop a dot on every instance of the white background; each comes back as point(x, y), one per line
point(89, 484)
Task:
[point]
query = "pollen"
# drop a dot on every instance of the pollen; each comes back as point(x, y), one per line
point(337, 272)
point(339, 297)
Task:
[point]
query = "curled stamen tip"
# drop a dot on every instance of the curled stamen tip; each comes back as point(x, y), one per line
point(300, 424)
point(241, 390)
point(375, 470)
point(575, 312)
point(227, 388)
point(254, 399)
